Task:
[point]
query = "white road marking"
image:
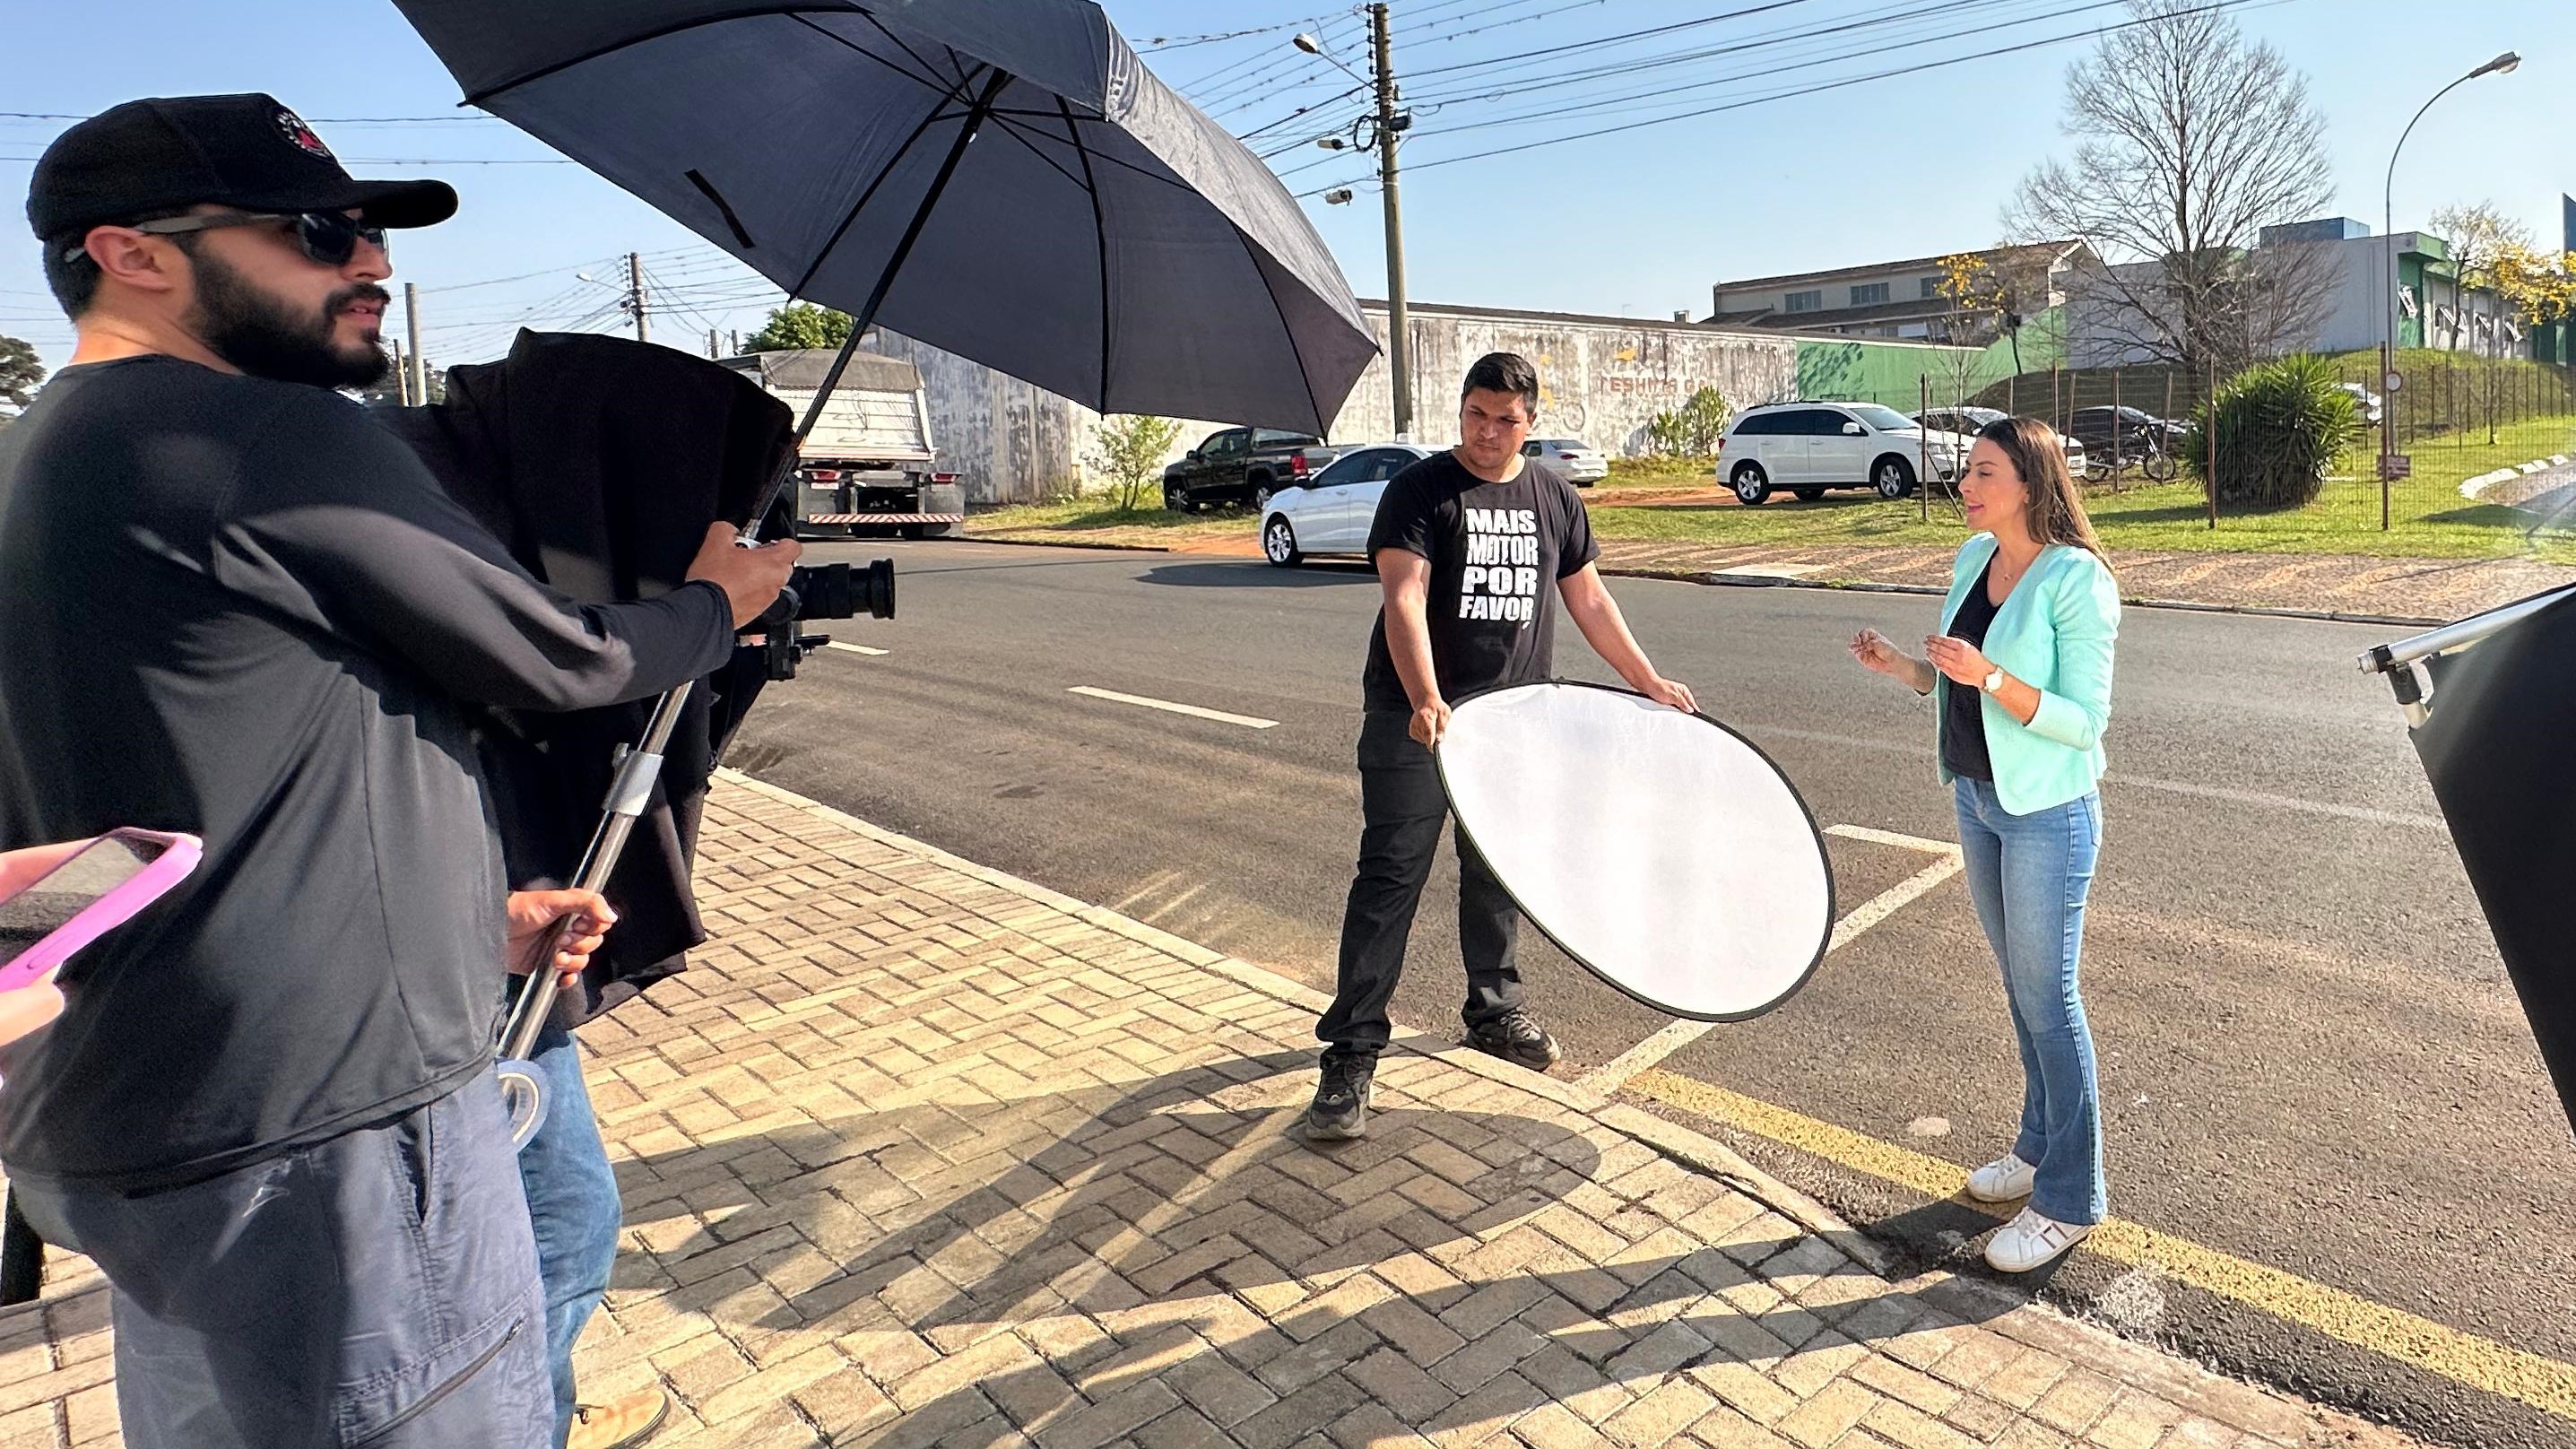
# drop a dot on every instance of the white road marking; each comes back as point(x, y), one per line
point(1192, 710)
point(2284, 802)
point(853, 648)
point(2413, 818)
point(1621, 1069)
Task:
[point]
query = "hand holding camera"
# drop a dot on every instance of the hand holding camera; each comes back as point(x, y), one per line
point(751, 577)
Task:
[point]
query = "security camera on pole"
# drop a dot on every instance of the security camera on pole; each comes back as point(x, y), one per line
point(1389, 124)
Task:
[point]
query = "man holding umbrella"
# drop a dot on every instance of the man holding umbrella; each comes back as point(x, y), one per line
point(237, 608)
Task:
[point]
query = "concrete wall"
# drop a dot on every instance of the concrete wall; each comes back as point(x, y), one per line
point(1601, 379)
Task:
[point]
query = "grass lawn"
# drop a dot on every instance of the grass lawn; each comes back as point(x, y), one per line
point(2428, 517)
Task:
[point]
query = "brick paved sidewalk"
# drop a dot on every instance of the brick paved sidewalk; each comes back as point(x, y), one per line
point(923, 1155)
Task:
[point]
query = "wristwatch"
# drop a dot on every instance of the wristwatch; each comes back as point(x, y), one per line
point(1993, 681)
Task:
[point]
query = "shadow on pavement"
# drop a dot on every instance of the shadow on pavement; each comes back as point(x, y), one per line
point(1226, 1256)
point(1255, 574)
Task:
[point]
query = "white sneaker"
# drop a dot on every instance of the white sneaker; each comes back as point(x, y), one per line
point(2029, 1241)
point(2006, 1179)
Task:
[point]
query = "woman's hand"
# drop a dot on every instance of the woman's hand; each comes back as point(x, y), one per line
point(533, 917)
point(1958, 660)
point(1877, 652)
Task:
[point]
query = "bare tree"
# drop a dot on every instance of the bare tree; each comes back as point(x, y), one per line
point(2477, 235)
point(2190, 140)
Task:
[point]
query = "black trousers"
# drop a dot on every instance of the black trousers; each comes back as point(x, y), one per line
point(1402, 809)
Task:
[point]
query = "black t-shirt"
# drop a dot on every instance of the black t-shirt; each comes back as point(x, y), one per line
point(238, 608)
point(1496, 552)
point(1963, 719)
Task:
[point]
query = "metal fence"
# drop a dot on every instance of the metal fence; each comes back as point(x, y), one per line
point(2458, 422)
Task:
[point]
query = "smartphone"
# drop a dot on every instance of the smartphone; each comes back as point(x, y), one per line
point(95, 889)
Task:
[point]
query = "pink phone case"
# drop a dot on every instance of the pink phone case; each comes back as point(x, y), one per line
point(179, 855)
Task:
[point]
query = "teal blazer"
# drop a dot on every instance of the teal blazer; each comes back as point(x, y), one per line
point(2054, 633)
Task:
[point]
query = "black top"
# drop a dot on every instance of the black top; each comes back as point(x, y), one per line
point(1963, 720)
point(235, 607)
point(1496, 552)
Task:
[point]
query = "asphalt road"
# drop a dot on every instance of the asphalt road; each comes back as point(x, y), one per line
point(2310, 1059)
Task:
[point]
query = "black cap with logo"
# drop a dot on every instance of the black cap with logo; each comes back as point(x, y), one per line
point(247, 152)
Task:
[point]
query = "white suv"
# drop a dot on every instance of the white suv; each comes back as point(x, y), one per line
point(1806, 448)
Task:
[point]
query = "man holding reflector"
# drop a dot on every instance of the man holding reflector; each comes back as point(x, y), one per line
point(1467, 544)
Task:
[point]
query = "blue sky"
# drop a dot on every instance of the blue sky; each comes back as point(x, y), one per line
point(1639, 223)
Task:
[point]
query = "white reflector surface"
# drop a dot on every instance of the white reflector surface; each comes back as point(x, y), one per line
point(1661, 850)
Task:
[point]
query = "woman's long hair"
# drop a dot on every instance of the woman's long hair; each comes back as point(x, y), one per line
point(2054, 506)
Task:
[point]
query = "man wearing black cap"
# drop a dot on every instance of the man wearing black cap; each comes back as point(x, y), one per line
point(238, 609)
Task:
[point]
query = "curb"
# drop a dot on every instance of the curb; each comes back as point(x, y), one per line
point(1850, 586)
point(1694, 1150)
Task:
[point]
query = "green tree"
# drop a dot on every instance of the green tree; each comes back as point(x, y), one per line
point(1691, 430)
point(1130, 451)
point(800, 324)
point(20, 372)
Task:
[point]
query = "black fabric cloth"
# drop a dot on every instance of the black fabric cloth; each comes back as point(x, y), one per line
point(235, 607)
point(1496, 551)
point(2500, 750)
point(600, 462)
point(1963, 719)
point(1402, 808)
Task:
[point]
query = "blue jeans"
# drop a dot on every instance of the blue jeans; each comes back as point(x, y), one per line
point(376, 1288)
point(572, 1199)
point(2029, 875)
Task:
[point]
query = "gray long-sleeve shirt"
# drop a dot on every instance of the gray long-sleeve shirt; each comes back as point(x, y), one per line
point(235, 607)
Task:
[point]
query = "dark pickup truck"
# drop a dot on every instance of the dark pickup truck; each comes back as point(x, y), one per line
point(1243, 465)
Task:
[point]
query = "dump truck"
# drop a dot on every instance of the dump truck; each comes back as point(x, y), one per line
point(867, 468)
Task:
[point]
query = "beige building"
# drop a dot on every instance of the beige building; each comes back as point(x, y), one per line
point(1891, 299)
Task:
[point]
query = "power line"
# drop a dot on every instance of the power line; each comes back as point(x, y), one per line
point(1822, 86)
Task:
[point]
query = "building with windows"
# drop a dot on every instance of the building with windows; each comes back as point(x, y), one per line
point(1906, 299)
point(2339, 273)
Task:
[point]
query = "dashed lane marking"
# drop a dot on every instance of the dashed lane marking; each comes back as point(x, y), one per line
point(2465, 1358)
point(852, 648)
point(1610, 1075)
point(1192, 710)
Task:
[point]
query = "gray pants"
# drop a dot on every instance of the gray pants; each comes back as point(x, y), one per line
point(379, 1289)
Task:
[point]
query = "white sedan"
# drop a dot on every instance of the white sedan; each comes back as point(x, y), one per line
point(1330, 512)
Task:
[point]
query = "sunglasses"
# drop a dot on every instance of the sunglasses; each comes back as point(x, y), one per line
point(326, 236)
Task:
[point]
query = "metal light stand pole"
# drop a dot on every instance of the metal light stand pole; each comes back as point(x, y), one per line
point(640, 768)
point(2403, 662)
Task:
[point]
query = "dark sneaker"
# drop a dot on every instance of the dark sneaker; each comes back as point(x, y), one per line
point(1339, 1112)
point(1516, 1039)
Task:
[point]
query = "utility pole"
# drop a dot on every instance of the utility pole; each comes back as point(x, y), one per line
point(1399, 338)
point(711, 343)
point(635, 293)
point(402, 373)
point(411, 325)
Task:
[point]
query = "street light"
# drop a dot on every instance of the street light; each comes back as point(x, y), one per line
point(2388, 380)
point(1337, 196)
point(1312, 46)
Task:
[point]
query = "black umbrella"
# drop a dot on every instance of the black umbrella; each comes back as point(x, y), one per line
point(1002, 179)
point(1105, 241)
point(2492, 702)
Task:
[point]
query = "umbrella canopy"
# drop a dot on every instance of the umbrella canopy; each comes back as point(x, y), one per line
point(1002, 179)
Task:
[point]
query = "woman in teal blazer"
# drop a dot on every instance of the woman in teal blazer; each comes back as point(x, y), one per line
point(2022, 674)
